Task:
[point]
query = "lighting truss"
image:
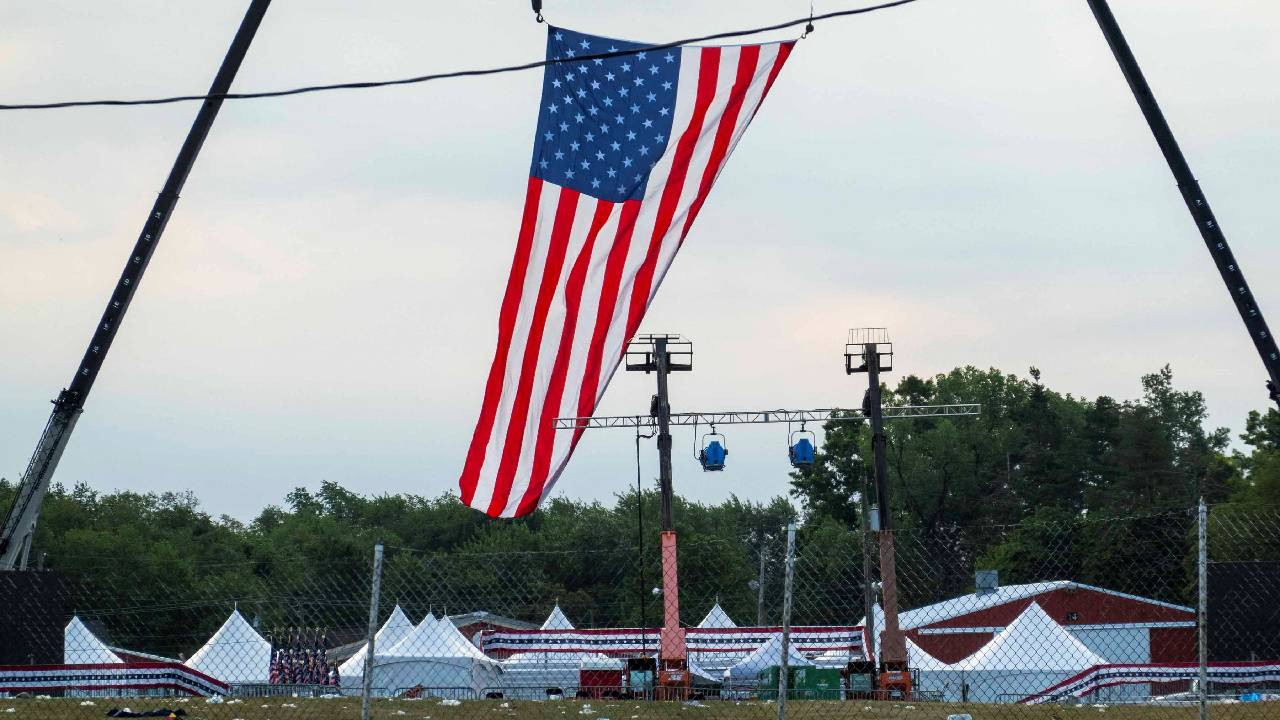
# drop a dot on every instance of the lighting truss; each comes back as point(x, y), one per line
point(751, 417)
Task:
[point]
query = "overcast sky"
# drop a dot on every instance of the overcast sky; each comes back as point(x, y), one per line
point(972, 174)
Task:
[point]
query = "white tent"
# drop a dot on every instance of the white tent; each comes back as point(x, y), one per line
point(1032, 642)
point(917, 658)
point(430, 638)
point(717, 618)
point(1032, 653)
point(451, 631)
point(713, 662)
point(933, 675)
point(744, 672)
point(397, 626)
point(437, 658)
point(556, 620)
point(235, 654)
point(81, 647)
point(530, 674)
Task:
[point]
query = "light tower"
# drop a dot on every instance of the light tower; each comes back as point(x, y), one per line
point(664, 354)
point(870, 351)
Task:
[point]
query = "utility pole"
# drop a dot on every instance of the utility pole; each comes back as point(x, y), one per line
point(788, 585)
point(20, 523)
point(760, 614)
point(870, 351)
point(1194, 197)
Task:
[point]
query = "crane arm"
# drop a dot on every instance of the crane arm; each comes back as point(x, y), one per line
point(20, 522)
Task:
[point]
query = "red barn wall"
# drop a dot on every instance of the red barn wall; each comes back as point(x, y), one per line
point(950, 648)
point(1172, 645)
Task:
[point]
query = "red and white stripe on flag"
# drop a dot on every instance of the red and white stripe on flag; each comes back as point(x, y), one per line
point(586, 269)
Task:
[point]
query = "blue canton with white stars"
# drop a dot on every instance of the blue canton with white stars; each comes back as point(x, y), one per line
point(605, 122)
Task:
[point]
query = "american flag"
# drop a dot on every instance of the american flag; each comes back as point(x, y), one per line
point(626, 151)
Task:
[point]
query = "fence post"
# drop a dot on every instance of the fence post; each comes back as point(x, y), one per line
point(1202, 606)
point(786, 620)
point(367, 690)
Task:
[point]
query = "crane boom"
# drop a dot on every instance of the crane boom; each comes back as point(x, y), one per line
point(20, 522)
point(1193, 196)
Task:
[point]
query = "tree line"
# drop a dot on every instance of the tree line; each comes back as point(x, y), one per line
point(1042, 485)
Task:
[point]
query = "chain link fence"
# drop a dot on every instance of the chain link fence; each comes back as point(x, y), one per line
point(1054, 616)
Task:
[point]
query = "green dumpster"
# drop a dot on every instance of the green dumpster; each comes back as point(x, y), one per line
point(817, 683)
point(803, 683)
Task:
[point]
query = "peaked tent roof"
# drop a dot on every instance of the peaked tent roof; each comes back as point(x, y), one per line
point(415, 643)
point(1032, 642)
point(81, 647)
point(392, 631)
point(767, 655)
point(235, 654)
point(717, 618)
point(459, 640)
point(556, 620)
point(432, 639)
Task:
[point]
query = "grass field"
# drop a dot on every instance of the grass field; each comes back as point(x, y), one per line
point(434, 709)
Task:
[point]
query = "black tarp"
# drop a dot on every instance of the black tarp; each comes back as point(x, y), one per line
point(37, 606)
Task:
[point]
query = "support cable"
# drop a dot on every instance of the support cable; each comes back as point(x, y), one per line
point(362, 85)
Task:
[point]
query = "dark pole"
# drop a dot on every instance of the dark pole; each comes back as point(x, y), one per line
point(893, 649)
point(15, 542)
point(868, 591)
point(662, 363)
point(879, 459)
point(1193, 196)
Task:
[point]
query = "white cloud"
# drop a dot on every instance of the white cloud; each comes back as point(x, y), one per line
point(973, 175)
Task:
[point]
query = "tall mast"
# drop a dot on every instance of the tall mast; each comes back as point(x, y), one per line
point(20, 522)
point(1194, 197)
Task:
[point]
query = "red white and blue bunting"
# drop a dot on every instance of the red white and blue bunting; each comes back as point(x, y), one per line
point(172, 677)
point(1101, 676)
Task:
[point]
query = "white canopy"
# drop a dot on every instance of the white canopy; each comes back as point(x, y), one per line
point(557, 620)
point(698, 671)
point(392, 631)
point(81, 647)
point(436, 657)
point(1032, 642)
point(765, 656)
point(432, 638)
point(717, 618)
point(235, 654)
